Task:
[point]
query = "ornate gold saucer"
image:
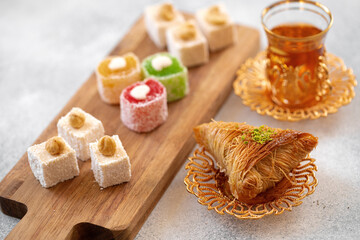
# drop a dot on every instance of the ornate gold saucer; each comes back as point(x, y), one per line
point(251, 86)
point(209, 185)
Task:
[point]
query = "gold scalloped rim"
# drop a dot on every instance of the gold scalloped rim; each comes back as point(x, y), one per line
point(201, 181)
point(251, 85)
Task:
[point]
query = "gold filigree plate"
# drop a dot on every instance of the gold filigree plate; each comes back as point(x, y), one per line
point(251, 85)
point(208, 184)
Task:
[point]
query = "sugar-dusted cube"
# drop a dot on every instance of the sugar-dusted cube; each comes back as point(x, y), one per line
point(217, 26)
point(186, 42)
point(109, 161)
point(79, 128)
point(115, 73)
point(170, 72)
point(143, 105)
point(158, 18)
point(53, 161)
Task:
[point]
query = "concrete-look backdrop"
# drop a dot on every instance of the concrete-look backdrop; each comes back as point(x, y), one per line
point(49, 48)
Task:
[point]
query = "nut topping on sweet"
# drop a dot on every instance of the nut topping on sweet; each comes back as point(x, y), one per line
point(55, 145)
point(166, 12)
point(186, 32)
point(107, 146)
point(76, 118)
point(215, 16)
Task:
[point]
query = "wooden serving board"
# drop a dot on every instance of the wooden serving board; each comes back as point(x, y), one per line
point(77, 208)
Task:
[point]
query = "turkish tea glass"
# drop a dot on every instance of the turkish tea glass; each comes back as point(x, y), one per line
point(296, 62)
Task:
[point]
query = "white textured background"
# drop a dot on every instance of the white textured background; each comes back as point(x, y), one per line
point(49, 48)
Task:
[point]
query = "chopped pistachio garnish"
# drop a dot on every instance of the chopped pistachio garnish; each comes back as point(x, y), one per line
point(260, 135)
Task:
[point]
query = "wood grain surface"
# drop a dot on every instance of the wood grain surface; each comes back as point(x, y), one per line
point(78, 208)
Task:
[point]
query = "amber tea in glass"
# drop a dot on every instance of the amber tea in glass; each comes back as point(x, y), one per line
point(296, 65)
